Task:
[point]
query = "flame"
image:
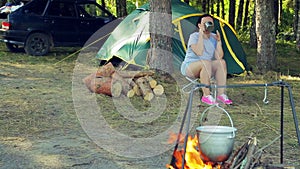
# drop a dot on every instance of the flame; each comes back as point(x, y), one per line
point(192, 157)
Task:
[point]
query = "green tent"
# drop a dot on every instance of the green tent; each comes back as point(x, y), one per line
point(130, 40)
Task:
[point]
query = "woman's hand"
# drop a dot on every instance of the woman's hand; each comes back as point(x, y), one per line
point(218, 36)
point(202, 31)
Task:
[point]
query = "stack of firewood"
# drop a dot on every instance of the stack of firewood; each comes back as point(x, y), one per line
point(107, 80)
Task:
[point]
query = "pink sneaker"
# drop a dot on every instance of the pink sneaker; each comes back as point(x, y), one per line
point(208, 100)
point(224, 99)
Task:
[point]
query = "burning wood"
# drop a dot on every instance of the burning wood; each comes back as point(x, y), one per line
point(246, 157)
point(192, 157)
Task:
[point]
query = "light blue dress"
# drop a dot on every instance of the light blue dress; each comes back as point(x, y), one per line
point(208, 53)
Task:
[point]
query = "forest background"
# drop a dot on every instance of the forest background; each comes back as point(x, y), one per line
point(240, 14)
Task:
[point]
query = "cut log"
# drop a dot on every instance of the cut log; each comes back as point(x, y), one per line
point(130, 82)
point(88, 80)
point(151, 81)
point(158, 90)
point(145, 88)
point(125, 86)
point(137, 90)
point(102, 85)
point(135, 74)
point(130, 93)
point(116, 89)
point(105, 70)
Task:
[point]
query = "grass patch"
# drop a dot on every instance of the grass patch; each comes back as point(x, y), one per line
point(36, 97)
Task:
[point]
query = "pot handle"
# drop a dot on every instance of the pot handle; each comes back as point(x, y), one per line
point(231, 122)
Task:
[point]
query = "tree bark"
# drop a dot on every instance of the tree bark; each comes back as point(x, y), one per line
point(280, 12)
point(265, 30)
point(121, 8)
point(160, 55)
point(103, 3)
point(297, 23)
point(212, 9)
point(253, 38)
point(276, 14)
point(204, 6)
point(245, 21)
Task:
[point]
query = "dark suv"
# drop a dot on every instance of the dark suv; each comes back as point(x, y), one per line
point(41, 24)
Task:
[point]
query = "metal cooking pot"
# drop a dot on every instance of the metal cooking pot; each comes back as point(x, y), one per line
point(215, 142)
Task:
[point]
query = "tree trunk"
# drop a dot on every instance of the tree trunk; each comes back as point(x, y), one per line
point(276, 14)
point(280, 11)
point(253, 38)
point(103, 3)
point(212, 9)
point(231, 13)
point(245, 22)
point(223, 9)
point(121, 8)
point(218, 7)
point(240, 15)
point(297, 22)
point(160, 55)
point(204, 6)
point(265, 30)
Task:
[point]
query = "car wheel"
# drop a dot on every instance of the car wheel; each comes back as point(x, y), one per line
point(37, 44)
point(14, 48)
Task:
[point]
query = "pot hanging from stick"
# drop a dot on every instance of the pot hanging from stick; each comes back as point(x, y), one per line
point(215, 142)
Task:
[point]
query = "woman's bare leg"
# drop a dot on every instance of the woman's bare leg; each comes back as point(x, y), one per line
point(220, 73)
point(202, 69)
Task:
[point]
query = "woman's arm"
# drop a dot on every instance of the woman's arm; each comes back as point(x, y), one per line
point(198, 48)
point(219, 50)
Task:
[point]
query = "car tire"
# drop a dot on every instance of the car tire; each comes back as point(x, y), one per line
point(37, 44)
point(14, 48)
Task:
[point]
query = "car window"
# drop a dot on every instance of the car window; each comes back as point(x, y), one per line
point(91, 10)
point(61, 9)
point(35, 7)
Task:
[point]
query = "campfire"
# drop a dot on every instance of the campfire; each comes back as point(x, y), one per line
point(192, 156)
point(246, 156)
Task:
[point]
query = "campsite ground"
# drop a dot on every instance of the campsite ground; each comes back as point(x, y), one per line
point(41, 129)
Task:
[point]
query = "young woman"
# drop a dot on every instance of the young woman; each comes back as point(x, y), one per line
point(204, 59)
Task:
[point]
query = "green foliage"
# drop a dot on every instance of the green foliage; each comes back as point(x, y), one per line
point(243, 35)
point(131, 5)
point(285, 28)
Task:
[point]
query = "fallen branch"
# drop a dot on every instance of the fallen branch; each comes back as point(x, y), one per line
point(264, 147)
point(249, 157)
point(237, 156)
